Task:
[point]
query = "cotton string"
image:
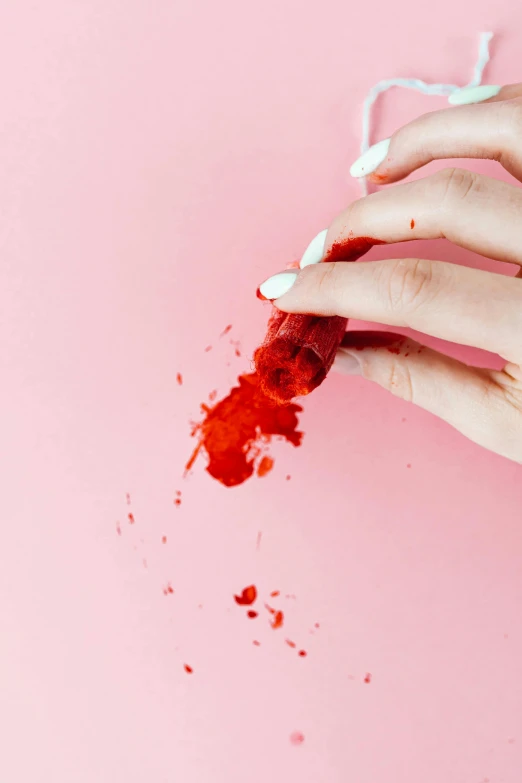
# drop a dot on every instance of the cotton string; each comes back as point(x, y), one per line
point(419, 86)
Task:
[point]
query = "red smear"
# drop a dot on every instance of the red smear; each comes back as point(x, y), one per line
point(269, 608)
point(290, 643)
point(168, 590)
point(252, 614)
point(412, 224)
point(258, 542)
point(188, 668)
point(288, 478)
point(256, 643)
point(208, 348)
point(118, 528)
point(277, 622)
point(179, 378)
point(265, 466)
point(302, 653)
point(368, 678)
point(226, 330)
point(247, 597)
point(275, 593)
point(299, 350)
point(297, 738)
point(127, 498)
point(164, 540)
point(131, 518)
point(233, 430)
point(238, 352)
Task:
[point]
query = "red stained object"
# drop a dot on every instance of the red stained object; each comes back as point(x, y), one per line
point(131, 518)
point(297, 738)
point(368, 678)
point(247, 597)
point(234, 428)
point(265, 466)
point(188, 668)
point(252, 614)
point(277, 622)
point(179, 378)
point(299, 350)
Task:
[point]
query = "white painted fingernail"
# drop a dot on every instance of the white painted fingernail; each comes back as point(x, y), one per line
point(277, 286)
point(473, 94)
point(371, 159)
point(315, 251)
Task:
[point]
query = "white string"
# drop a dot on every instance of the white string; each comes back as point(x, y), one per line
point(419, 86)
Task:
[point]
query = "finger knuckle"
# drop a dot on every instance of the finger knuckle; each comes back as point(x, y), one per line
point(409, 283)
point(452, 186)
point(399, 380)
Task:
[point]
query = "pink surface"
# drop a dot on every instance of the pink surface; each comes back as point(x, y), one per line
point(157, 160)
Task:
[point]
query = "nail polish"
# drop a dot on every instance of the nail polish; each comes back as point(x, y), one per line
point(371, 159)
point(473, 94)
point(314, 253)
point(277, 285)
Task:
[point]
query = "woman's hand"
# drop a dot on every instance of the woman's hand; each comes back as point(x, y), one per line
point(466, 306)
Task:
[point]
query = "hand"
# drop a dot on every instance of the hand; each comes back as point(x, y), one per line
point(455, 303)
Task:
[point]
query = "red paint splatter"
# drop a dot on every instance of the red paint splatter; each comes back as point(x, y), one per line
point(412, 224)
point(258, 542)
point(164, 540)
point(168, 589)
point(288, 478)
point(265, 466)
point(316, 625)
point(368, 678)
point(269, 609)
point(188, 668)
point(226, 330)
point(177, 501)
point(256, 643)
point(179, 378)
point(275, 593)
point(290, 643)
point(297, 738)
point(131, 518)
point(208, 348)
point(118, 528)
point(302, 653)
point(232, 431)
point(237, 352)
point(252, 614)
point(277, 622)
point(213, 394)
point(247, 597)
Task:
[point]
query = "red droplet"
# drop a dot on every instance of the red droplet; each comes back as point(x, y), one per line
point(168, 589)
point(247, 597)
point(277, 622)
point(118, 528)
point(127, 498)
point(368, 678)
point(226, 330)
point(288, 478)
point(317, 625)
point(408, 465)
point(164, 540)
point(188, 668)
point(297, 738)
point(290, 643)
point(208, 348)
point(412, 224)
point(265, 466)
point(275, 593)
point(256, 643)
point(177, 501)
point(252, 614)
point(179, 378)
point(131, 518)
point(238, 352)
point(302, 653)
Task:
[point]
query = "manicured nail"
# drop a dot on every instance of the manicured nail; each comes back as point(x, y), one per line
point(346, 363)
point(315, 251)
point(371, 159)
point(473, 94)
point(277, 286)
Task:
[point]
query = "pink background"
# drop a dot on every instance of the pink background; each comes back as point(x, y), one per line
point(157, 161)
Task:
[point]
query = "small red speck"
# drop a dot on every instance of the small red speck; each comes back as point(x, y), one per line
point(208, 348)
point(188, 668)
point(178, 493)
point(144, 561)
point(258, 542)
point(118, 528)
point(168, 590)
point(213, 394)
point(275, 593)
point(269, 608)
point(247, 597)
point(408, 465)
point(177, 501)
point(238, 352)
point(290, 643)
point(412, 224)
point(164, 540)
point(131, 519)
point(277, 622)
point(302, 653)
point(252, 614)
point(265, 466)
point(288, 478)
point(179, 378)
point(368, 678)
point(127, 498)
point(226, 330)
point(256, 643)
point(297, 738)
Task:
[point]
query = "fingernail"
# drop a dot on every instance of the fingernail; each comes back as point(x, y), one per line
point(277, 285)
point(473, 94)
point(346, 363)
point(371, 159)
point(315, 251)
